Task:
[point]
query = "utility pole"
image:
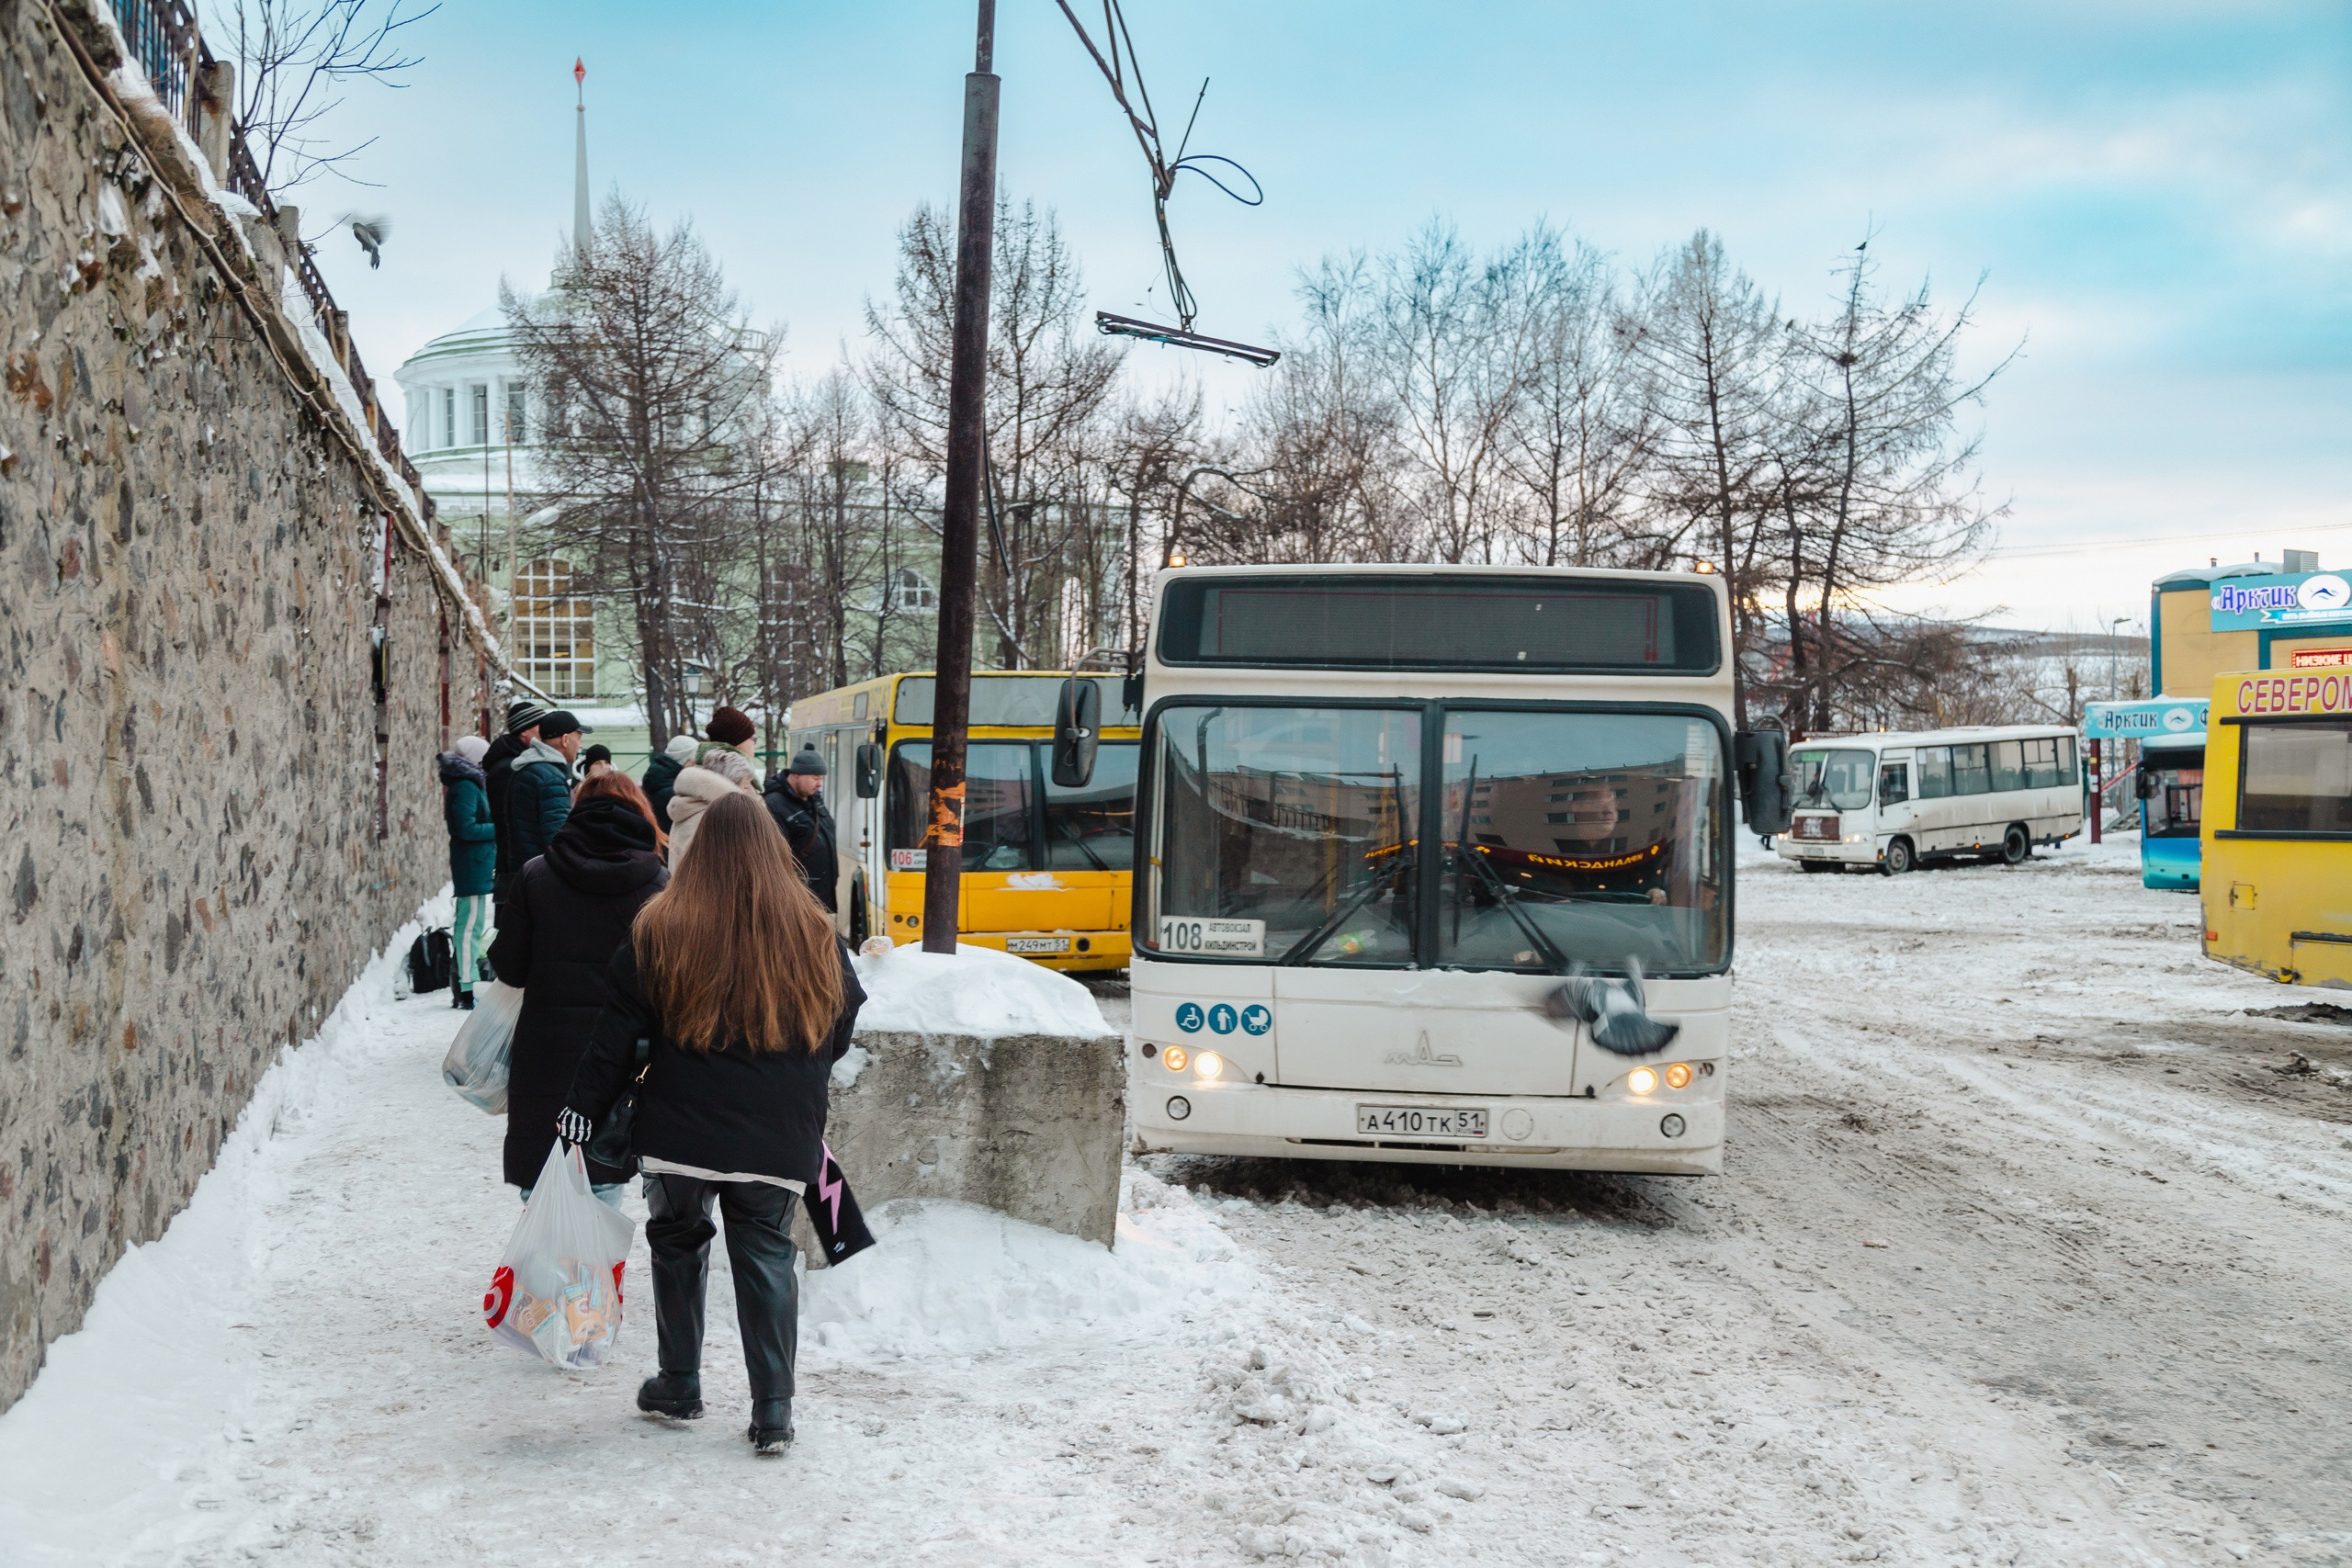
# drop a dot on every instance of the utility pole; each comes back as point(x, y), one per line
point(960, 531)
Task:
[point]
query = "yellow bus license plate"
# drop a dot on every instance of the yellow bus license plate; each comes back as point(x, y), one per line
point(1036, 944)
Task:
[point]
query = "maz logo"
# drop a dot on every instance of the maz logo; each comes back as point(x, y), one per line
point(1420, 1055)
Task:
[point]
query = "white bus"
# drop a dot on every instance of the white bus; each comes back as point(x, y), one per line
point(1892, 802)
point(1386, 811)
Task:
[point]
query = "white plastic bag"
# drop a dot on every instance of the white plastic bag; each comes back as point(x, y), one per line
point(558, 1292)
point(477, 1063)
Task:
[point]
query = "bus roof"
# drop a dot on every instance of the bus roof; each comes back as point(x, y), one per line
point(1000, 698)
point(1960, 735)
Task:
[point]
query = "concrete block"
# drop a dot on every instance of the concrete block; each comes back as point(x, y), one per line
point(1031, 1125)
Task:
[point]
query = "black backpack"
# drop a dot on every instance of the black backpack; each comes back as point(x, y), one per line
point(429, 961)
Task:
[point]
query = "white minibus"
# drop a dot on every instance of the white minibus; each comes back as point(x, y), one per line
point(1389, 817)
point(1895, 801)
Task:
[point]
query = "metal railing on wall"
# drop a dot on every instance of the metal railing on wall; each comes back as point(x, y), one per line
point(167, 42)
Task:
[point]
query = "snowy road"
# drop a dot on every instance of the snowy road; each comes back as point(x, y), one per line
point(2027, 1252)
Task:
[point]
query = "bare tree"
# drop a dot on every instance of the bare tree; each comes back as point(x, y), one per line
point(1580, 441)
point(1708, 347)
point(1048, 388)
point(656, 389)
point(294, 59)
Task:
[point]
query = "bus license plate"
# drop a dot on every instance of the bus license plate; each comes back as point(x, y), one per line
point(1420, 1122)
point(1036, 944)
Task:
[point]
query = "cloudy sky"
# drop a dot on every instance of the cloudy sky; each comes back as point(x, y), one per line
point(2155, 194)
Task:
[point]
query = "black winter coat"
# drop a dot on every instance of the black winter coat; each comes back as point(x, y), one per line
point(809, 829)
point(497, 775)
point(731, 1109)
point(564, 915)
point(660, 782)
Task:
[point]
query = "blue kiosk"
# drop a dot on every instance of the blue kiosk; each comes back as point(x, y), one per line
point(2171, 780)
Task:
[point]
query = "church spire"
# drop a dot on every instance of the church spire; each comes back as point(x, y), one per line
point(581, 232)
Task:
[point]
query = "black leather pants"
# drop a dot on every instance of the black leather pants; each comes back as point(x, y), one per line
point(760, 1251)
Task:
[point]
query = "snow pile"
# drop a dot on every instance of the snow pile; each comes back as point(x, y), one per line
point(974, 990)
point(952, 1280)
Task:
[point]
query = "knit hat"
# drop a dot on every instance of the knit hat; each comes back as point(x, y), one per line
point(472, 748)
point(600, 752)
point(524, 712)
point(808, 762)
point(680, 748)
point(731, 726)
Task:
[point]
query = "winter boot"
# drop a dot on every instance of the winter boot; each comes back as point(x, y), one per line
point(677, 1396)
point(771, 1431)
point(462, 1000)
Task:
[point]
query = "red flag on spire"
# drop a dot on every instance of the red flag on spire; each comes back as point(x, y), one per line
point(579, 70)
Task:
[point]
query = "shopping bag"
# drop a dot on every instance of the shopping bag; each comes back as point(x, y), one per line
point(476, 1065)
point(557, 1294)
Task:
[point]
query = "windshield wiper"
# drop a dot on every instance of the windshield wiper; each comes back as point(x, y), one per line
point(1507, 897)
point(1304, 947)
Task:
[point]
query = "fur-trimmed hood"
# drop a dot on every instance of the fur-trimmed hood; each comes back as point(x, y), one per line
point(455, 769)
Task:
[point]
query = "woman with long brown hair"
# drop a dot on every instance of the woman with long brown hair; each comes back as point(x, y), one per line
point(734, 976)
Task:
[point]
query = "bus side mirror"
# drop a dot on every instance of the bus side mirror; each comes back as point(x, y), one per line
point(1761, 760)
point(869, 771)
point(2147, 785)
point(1078, 724)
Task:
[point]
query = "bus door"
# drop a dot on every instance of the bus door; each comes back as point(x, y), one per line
point(2171, 813)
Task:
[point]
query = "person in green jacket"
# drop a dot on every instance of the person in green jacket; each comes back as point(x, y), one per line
point(540, 798)
point(473, 860)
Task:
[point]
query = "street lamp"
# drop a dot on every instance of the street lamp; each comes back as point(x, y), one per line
point(2118, 621)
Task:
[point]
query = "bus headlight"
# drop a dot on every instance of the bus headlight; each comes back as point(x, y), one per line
point(1175, 1056)
point(1642, 1080)
point(1209, 1064)
point(1678, 1075)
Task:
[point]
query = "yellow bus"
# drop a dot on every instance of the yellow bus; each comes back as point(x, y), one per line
point(1047, 870)
point(2278, 833)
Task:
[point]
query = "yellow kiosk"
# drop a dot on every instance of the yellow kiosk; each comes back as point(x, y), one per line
point(2278, 828)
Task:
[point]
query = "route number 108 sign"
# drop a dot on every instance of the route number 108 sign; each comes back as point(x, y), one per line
point(1212, 937)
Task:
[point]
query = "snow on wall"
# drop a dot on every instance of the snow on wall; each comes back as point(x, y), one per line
point(977, 991)
point(187, 721)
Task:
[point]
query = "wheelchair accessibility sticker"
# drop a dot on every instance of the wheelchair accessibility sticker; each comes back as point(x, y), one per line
point(1222, 1018)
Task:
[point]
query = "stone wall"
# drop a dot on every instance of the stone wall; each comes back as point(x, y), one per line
point(190, 555)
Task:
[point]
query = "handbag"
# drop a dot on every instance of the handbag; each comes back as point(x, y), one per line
point(610, 1144)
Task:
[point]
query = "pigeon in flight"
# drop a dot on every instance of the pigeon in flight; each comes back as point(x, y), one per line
point(371, 233)
point(1615, 1011)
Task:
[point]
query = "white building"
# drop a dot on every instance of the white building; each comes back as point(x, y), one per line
point(470, 432)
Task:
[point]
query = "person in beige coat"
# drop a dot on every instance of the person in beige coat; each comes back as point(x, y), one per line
point(722, 774)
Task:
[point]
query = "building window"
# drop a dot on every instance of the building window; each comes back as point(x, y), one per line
point(448, 416)
point(478, 402)
point(910, 590)
point(514, 403)
point(554, 631)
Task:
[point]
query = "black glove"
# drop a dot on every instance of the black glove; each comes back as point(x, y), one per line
point(572, 1127)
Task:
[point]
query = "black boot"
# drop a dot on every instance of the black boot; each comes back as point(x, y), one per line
point(462, 1000)
point(677, 1396)
point(771, 1431)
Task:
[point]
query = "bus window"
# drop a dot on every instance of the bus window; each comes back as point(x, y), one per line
point(2041, 771)
point(2008, 765)
point(1295, 823)
point(1972, 771)
point(1894, 784)
point(1095, 829)
point(1637, 875)
point(1935, 773)
point(1841, 779)
point(2065, 759)
point(996, 803)
point(2296, 778)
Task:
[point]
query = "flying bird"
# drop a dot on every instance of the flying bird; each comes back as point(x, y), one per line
point(371, 233)
point(1615, 1011)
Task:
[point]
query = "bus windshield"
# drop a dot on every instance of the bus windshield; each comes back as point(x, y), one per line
point(1840, 779)
point(1291, 835)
